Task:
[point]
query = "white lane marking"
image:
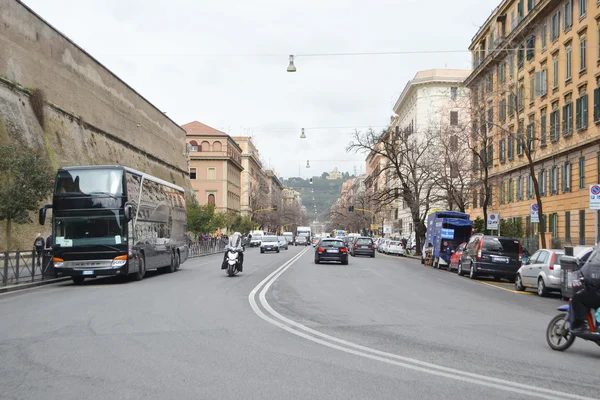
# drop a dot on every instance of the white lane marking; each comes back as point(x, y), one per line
point(378, 355)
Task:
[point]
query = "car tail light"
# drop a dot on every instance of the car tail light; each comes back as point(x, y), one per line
point(344, 250)
point(372, 246)
point(552, 261)
point(356, 246)
point(521, 255)
point(320, 250)
point(479, 249)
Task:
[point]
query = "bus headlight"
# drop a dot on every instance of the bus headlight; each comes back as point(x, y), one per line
point(58, 262)
point(119, 261)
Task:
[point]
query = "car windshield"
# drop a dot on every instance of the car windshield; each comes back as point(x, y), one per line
point(364, 241)
point(269, 239)
point(332, 243)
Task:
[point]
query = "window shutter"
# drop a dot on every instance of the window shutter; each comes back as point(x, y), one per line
point(564, 120)
point(596, 104)
point(570, 118)
point(563, 183)
point(538, 83)
point(584, 111)
point(578, 113)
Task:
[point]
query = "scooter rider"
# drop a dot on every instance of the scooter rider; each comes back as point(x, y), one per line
point(235, 243)
point(587, 296)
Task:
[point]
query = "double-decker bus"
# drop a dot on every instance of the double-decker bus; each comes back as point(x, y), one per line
point(114, 220)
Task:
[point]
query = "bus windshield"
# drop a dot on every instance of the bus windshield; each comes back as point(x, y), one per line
point(98, 228)
point(89, 182)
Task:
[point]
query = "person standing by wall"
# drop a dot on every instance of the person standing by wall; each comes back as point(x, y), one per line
point(39, 243)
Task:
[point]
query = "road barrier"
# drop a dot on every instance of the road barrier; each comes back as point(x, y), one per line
point(206, 248)
point(25, 266)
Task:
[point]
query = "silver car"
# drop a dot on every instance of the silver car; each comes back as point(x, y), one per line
point(283, 243)
point(541, 272)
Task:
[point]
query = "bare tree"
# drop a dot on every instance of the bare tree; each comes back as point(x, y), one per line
point(409, 161)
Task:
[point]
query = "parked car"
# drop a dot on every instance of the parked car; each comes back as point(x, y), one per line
point(269, 243)
point(382, 245)
point(542, 272)
point(395, 247)
point(498, 257)
point(363, 246)
point(283, 243)
point(331, 250)
point(456, 256)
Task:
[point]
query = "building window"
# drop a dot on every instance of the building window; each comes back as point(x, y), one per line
point(502, 110)
point(453, 118)
point(510, 190)
point(554, 123)
point(519, 188)
point(211, 199)
point(543, 35)
point(511, 63)
point(192, 173)
point(596, 105)
point(568, 15)
point(502, 152)
point(566, 180)
point(501, 193)
point(542, 184)
point(521, 97)
point(555, 71)
point(490, 155)
point(567, 121)
point(568, 62)
point(543, 128)
point(520, 56)
point(541, 82)
point(489, 83)
point(581, 112)
point(501, 72)
point(568, 226)
point(511, 104)
point(530, 187)
point(474, 198)
point(531, 136)
point(581, 172)
point(453, 93)
point(530, 47)
point(582, 53)
point(554, 26)
point(554, 178)
point(490, 118)
point(530, 5)
point(511, 147)
point(520, 138)
point(482, 197)
point(582, 227)
point(554, 224)
point(211, 174)
point(582, 8)
point(532, 87)
point(521, 10)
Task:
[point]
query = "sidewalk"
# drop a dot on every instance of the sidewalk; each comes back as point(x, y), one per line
point(27, 285)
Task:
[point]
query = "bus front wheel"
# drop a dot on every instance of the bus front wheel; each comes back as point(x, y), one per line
point(139, 274)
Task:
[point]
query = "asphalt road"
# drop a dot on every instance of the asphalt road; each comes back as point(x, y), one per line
point(383, 328)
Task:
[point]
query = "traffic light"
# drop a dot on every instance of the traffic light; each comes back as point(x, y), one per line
point(351, 208)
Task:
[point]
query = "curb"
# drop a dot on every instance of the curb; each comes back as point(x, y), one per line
point(22, 286)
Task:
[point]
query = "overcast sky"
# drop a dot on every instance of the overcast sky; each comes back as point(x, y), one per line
point(224, 63)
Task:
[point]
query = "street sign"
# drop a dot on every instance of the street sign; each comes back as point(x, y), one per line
point(535, 215)
point(594, 197)
point(493, 221)
point(447, 233)
point(387, 229)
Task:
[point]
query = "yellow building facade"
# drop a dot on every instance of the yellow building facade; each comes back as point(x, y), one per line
point(535, 82)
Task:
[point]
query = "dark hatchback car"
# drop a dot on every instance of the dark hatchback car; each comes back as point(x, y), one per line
point(331, 250)
point(498, 257)
point(363, 246)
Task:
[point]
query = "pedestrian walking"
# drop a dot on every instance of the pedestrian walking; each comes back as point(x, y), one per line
point(39, 243)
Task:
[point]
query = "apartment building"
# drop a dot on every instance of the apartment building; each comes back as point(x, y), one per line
point(254, 185)
point(434, 100)
point(535, 95)
point(215, 166)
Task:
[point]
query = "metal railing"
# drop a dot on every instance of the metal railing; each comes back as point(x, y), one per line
point(207, 247)
point(25, 266)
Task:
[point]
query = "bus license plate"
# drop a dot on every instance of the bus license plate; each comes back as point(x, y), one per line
point(88, 272)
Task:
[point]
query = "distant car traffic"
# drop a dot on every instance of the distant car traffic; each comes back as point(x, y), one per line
point(301, 240)
point(395, 247)
point(363, 246)
point(283, 243)
point(331, 250)
point(269, 243)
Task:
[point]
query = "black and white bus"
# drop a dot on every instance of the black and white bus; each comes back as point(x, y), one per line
point(114, 220)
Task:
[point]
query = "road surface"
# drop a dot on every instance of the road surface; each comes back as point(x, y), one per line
point(383, 328)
